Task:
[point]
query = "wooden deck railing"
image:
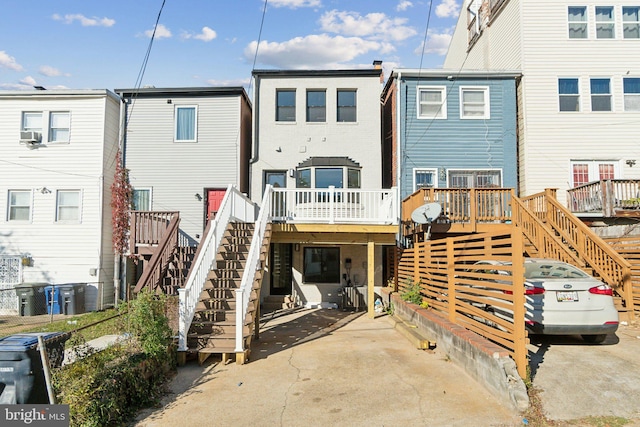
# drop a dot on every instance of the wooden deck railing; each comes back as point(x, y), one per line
point(155, 269)
point(452, 285)
point(148, 228)
point(468, 205)
point(589, 247)
point(607, 198)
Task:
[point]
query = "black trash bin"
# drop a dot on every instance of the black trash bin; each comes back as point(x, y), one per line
point(31, 299)
point(72, 298)
point(21, 372)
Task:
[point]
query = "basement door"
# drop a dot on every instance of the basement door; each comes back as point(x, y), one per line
point(213, 202)
point(281, 264)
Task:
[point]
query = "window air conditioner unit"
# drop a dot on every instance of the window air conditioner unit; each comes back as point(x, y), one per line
point(30, 137)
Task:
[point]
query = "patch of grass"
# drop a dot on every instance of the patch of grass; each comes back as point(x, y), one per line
point(603, 421)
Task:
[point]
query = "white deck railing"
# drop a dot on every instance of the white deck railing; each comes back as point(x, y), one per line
point(235, 206)
point(252, 264)
point(334, 205)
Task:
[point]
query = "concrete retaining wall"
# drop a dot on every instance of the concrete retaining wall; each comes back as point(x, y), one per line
point(486, 362)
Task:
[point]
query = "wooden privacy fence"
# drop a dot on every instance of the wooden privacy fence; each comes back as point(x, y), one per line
point(488, 300)
point(629, 248)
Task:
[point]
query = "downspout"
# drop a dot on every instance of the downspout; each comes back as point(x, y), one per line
point(399, 168)
point(117, 258)
point(256, 120)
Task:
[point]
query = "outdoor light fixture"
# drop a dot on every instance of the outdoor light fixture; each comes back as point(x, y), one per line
point(198, 197)
point(631, 163)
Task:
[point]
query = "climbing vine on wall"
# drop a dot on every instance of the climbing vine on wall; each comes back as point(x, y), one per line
point(121, 199)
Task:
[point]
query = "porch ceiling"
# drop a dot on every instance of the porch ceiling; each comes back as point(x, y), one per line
point(334, 233)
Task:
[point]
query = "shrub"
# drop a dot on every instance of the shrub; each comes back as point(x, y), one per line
point(412, 292)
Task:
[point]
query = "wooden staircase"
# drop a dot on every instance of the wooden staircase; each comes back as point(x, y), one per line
point(213, 329)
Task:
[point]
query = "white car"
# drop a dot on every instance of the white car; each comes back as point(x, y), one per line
point(563, 300)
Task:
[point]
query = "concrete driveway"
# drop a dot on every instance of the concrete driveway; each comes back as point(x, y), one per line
point(576, 379)
point(329, 367)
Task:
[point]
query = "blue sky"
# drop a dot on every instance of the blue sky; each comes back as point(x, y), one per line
point(101, 44)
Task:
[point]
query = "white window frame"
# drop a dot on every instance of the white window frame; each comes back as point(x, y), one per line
point(78, 207)
point(593, 169)
point(195, 123)
point(486, 102)
point(10, 206)
point(560, 95)
point(23, 124)
point(442, 112)
point(585, 22)
point(148, 190)
point(601, 95)
point(635, 23)
point(611, 22)
point(416, 171)
point(474, 171)
point(630, 95)
point(52, 128)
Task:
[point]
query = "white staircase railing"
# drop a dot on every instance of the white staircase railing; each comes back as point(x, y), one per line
point(235, 206)
point(243, 294)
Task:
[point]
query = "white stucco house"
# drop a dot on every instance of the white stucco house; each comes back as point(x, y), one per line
point(317, 141)
point(57, 160)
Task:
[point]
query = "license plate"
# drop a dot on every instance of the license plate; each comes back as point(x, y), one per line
point(567, 296)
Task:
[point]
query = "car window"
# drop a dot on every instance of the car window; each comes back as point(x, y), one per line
point(539, 270)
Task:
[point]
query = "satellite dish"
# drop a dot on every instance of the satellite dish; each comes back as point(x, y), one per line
point(426, 213)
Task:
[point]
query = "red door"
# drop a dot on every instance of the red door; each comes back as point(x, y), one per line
point(214, 200)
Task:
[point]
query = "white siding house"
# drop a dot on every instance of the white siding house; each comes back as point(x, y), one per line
point(579, 97)
point(318, 129)
point(183, 147)
point(57, 160)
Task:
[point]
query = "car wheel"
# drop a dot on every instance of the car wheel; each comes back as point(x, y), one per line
point(594, 339)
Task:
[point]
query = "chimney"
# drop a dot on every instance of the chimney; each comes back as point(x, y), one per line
point(377, 65)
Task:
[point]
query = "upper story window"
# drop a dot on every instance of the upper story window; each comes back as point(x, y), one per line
point(600, 95)
point(605, 27)
point(141, 199)
point(323, 172)
point(631, 22)
point(631, 86)
point(424, 178)
point(19, 208)
point(68, 205)
point(32, 121)
point(59, 126)
point(577, 22)
point(569, 94)
point(316, 106)
point(285, 105)
point(186, 125)
point(474, 103)
point(432, 102)
point(346, 105)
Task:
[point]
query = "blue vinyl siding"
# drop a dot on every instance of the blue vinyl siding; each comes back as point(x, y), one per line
point(455, 143)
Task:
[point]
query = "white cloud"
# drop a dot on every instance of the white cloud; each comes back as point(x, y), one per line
point(294, 4)
point(162, 32)
point(8, 61)
point(28, 81)
point(314, 51)
point(448, 9)
point(437, 43)
point(47, 70)
point(374, 25)
point(84, 21)
point(206, 35)
point(404, 5)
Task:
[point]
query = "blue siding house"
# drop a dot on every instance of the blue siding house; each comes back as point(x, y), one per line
point(449, 129)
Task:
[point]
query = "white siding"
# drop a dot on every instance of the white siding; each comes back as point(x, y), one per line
point(549, 140)
point(176, 171)
point(299, 140)
point(61, 252)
